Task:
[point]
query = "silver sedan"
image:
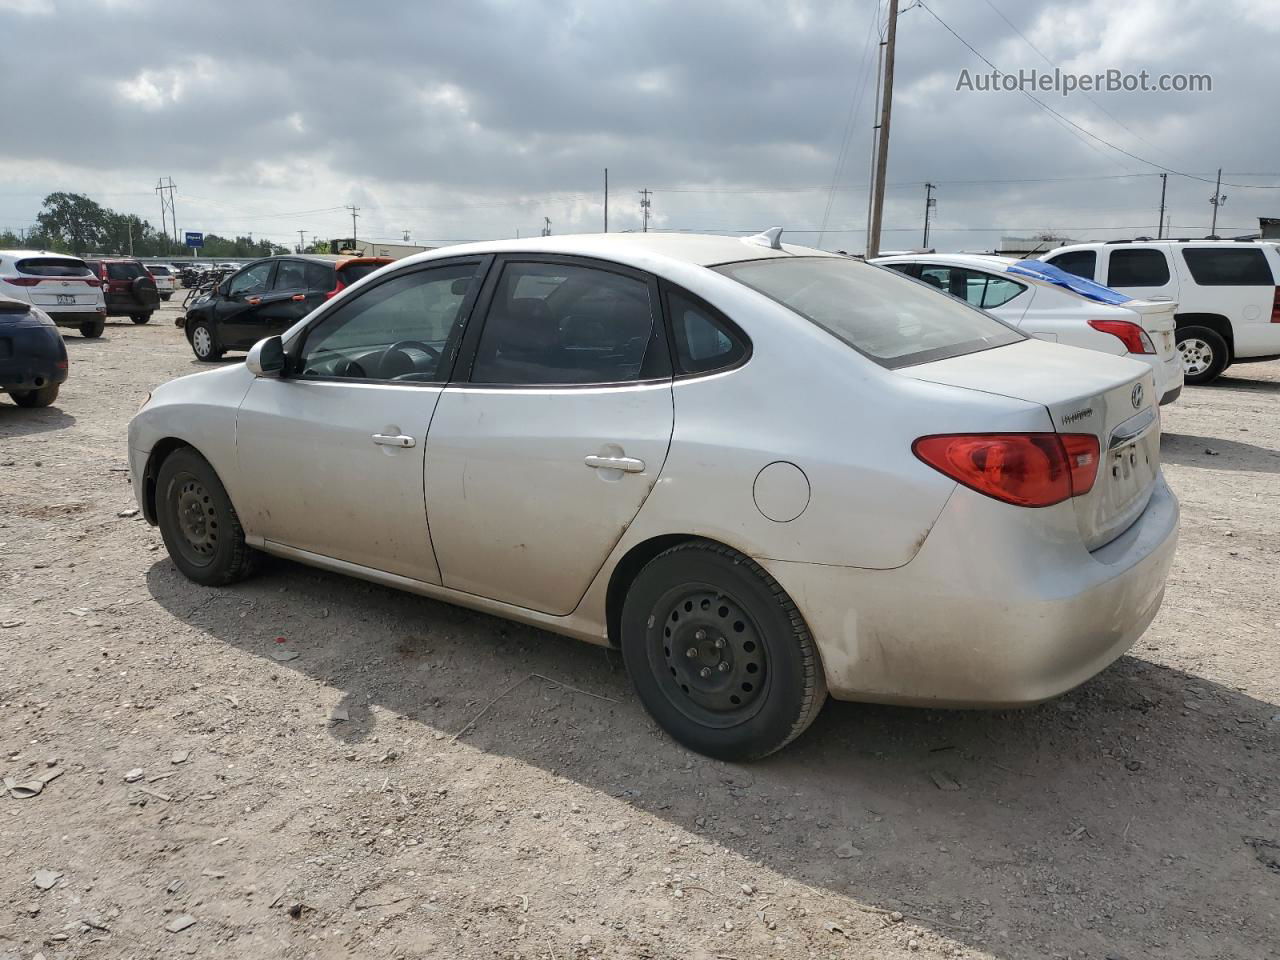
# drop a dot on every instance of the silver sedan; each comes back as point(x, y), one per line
point(764, 472)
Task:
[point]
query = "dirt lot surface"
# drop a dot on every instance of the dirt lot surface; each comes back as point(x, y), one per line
point(279, 762)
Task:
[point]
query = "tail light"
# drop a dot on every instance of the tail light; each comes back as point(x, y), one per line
point(1133, 337)
point(336, 290)
point(22, 281)
point(1275, 307)
point(1025, 469)
point(93, 281)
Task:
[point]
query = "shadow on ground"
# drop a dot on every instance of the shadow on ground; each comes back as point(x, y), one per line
point(1098, 825)
point(16, 421)
point(1215, 453)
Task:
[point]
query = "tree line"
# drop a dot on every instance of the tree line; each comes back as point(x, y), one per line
point(73, 223)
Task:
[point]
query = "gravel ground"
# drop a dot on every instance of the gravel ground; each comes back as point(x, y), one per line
point(299, 787)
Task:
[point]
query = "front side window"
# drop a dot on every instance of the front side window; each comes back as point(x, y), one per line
point(565, 324)
point(1082, 263)
point(403, 329)
point(879, 313)
point(1137, 268)
point(1218, 267)
point(252, 280)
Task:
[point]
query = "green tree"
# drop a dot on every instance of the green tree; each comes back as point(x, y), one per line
point(72, 222)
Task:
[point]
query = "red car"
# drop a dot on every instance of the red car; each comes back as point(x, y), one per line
point(130, 291)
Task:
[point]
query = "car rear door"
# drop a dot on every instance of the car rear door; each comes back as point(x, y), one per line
point(548, 444)
point(1143, 273)
point(331, 456)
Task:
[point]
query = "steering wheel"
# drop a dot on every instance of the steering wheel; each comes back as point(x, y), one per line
point(384, 361)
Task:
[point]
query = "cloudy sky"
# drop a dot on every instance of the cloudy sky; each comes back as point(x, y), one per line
point(457, 121)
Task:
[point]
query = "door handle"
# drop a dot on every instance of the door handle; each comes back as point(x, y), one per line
point(298, 297)
point(625, 464)
point(398, 440)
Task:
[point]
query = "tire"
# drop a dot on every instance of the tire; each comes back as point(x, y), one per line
point(199, 525)
point(140, 318)
point(93, 329)
point(203, 343)
point(719, 654)
point(1204, 354)
point(35, 398)
point(165, 297)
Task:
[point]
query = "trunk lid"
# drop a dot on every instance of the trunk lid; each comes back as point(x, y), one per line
point(1156, 317)
point(1084, 391)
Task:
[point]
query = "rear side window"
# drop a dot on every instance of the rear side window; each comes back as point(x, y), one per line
point(704, 341)
point(1082, 263)
point(319, 276)
point(879, 313)
point(1215, 267)
point(53, 267)
point(553, 323)
point(1137, 268)
point(291, 275)
point(125, 271)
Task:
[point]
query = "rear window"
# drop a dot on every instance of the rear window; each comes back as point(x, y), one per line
point(358, 271)
point(53, 267)
point(881, 314)
point(1137, 268)
point(158, 271)
point(1215, 267)
point(124, 271)
point(1080, 262)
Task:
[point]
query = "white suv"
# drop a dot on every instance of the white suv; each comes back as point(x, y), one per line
point(63, 287)
point(1228, 301)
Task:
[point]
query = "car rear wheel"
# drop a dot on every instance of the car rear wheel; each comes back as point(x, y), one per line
point(203, 344)
point(165, 296)
point(199, 525)
point(93, 329)
point(140, 317)
point(36, 398)
point(719, 654)
point(1204, 354)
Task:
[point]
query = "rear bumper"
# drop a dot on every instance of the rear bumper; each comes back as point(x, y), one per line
point(31, 358)
point(124, 305)
point(983, 618)
point(1168, 375)
point(75, 316)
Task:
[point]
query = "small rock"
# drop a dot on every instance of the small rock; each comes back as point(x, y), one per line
point(1211, 452)
point(1133, 765)
point(180, 923)
point(748, 889)
point(728, 925)
point(128, 513)
point(832, 927)
point(913, 944)
point(280, 655)
point(895, 916)
point(45, 879)
point(180, 756)
point(339, 714)
point(944, 781)
point(134, 775)
point(10, 624)
point(847, 850)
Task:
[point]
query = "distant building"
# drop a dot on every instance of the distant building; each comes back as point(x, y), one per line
point(370, 248)
point(1030, 246)
point(1269, 227)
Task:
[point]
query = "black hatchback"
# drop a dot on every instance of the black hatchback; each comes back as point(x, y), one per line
point(33, 358)
point(266, 298)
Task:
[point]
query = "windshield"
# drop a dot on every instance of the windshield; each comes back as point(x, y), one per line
point(885, 316)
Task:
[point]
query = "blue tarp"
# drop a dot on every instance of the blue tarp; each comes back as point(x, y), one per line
point(1039, 270)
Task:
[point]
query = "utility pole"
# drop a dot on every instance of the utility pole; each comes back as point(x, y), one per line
point(1164, 183)
point(354, 210)
point(129, 225)
point(405, 235)
point(606, 199)
point(929, 204)
point(882, 141)
point(166, 205)
point(302, 240)
point(644, 208)
point(546, 231)
point(1218, 199)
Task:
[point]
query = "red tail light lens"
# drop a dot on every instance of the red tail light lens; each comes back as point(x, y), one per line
point(1025, 469)
point(336, 290)
point(1275, 307)
point(1135, 339)
point(22, 281)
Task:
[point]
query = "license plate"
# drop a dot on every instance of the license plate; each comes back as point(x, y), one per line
point(66, 299)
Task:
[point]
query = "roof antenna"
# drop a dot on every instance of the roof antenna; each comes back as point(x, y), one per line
point(771, 238)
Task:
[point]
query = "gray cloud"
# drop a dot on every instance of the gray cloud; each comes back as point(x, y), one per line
point(474, 120)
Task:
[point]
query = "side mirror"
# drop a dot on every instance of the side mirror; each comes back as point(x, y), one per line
point(266, 358)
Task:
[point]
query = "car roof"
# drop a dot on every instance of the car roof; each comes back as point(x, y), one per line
point(640, 250)
point(985, 261)
point(38, 253)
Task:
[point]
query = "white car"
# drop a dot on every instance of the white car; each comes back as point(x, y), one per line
point(62, 287)
point(764, 472)
point(1228, 301)
point(164, 277)
point(1062, 308)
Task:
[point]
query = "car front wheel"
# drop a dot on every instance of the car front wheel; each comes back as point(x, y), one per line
point(36, 398)
point(203, 344)
point(200, 527)
point(1204, 354)
point(719, 654)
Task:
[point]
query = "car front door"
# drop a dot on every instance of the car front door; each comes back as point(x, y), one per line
point(283, 305)
point(542, 454)
point(235, 311)
point(331, 455)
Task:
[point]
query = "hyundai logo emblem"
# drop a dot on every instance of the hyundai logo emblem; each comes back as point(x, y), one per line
point(1136, 396)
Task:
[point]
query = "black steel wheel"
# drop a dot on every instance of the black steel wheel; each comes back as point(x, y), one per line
point(719, 654)
point(199, 525)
